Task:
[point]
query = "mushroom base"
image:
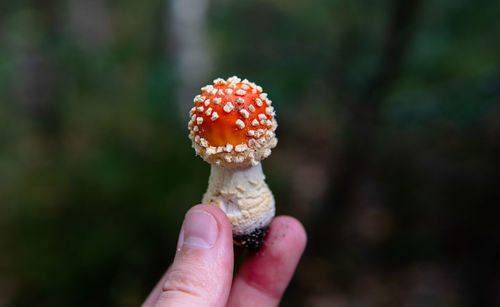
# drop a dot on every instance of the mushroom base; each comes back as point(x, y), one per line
point(253, 241)
point(243, 195)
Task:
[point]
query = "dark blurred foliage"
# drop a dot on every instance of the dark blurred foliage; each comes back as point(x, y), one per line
point(389, 116)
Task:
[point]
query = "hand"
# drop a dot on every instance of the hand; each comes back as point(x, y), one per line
point(202, 271)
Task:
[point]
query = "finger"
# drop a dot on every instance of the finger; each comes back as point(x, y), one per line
point(203, 266)
point(264, 276)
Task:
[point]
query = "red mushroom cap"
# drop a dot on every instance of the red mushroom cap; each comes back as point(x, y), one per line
point(232, 123)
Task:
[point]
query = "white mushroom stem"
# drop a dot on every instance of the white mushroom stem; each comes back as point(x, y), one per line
point(243, 195)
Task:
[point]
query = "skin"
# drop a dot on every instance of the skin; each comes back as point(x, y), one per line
point(203, 276)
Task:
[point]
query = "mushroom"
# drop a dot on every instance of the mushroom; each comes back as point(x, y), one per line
point(232, 127)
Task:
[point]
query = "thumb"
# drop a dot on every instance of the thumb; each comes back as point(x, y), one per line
point(202, 270)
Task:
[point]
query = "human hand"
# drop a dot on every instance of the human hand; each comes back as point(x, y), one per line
point(202, 271)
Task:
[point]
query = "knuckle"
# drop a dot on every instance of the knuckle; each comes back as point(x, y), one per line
point(185, 282)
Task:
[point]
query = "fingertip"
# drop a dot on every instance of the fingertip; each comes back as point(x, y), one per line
point(289, 232)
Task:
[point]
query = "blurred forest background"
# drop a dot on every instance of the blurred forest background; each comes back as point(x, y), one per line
point(389, 143)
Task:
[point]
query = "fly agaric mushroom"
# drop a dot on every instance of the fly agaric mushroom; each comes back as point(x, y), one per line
point(232, 127)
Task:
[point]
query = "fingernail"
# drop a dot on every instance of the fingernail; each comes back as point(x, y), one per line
point(200, 229)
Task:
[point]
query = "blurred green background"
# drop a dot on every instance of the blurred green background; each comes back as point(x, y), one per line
point(389, 143)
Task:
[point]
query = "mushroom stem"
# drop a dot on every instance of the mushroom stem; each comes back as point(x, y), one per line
point(243, 195)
